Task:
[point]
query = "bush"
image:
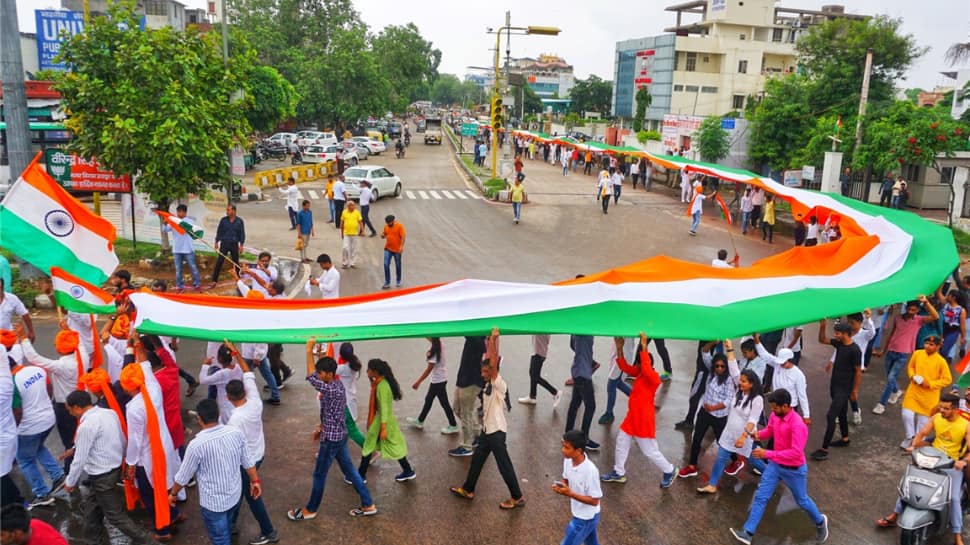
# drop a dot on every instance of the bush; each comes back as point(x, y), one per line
point(493, 186)
point(644, 136)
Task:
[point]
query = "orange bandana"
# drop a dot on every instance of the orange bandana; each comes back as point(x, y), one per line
point(133, 378)
point(67, 341)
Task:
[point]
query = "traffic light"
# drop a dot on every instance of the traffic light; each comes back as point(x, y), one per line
point(498, 114)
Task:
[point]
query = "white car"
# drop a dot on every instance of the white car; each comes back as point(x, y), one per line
point(362, 151)
point(319, 154)
point(374, 146)
point(316, 138)
point(283, 138)
point(382, 181)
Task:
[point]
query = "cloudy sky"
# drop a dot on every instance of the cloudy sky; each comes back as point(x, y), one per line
point(591, 29)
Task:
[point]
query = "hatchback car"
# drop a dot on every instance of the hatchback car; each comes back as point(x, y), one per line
point(383, 182)
point(375, 146)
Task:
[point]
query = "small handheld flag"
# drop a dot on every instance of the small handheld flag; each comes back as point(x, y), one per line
point(181, 226)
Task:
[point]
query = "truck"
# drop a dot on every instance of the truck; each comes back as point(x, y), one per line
point(432, 130)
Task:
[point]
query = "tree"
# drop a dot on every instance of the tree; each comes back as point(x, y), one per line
point(644, 100)
point(472, 93)
point(446, 90)
point(591, 95)
point(406, 59)
point(712, 141)
point(154, 104)
point(531, 101)
point(781, 122)
point(273, 98)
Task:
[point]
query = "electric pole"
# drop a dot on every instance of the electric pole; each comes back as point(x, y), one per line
point(14, 91)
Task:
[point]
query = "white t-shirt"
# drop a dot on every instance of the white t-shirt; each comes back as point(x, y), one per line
point(348, 377)
point(811, 231)
point(31, 384)
point(248, 418)
point(365, 196)
point(329, 283)
point(697, 205)
point(721, 264)
point(439, 373)
point(292, 195)
point(338, 191)
point(219, 378)
point(273, 274)
point(8, 426)
point(584, 479)
point(616, 179)
point(788, 335)
point(10, 306)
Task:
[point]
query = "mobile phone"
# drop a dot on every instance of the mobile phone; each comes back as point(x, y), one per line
point(558, 484)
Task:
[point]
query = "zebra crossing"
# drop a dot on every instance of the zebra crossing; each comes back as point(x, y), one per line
point(414, 195)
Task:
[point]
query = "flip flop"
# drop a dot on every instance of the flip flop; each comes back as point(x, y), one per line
point(462, 493)
point(886, 522)
point(299, 514)
point(512, 503)
point(362, 513)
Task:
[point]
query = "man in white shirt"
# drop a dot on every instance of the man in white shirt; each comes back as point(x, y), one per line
point(366, 195)
point(247, 417)
point(9, 490)
point(329, 279)
point(685, 186)
point(721, 261)
point(339, 199)
point(581, 484)
point(787, 376)
point(292, 195)
point(616, 180)
point(35, 421)
point(696, 210)
point(266, 272)
point(98, 453)
point(10, 306)
point(219, 376)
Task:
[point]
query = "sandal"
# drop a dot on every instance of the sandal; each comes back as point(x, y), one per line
point(840, 443)
point(512, 503)
point(889, 521)
point(462, 493)
point(363, 512)
point(299, 514)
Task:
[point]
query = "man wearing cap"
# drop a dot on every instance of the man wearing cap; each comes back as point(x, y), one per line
point(928, 375)
point(846, 372)
point(787, 376)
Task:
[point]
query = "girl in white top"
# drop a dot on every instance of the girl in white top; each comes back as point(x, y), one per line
point(348, 371)
point(437, 369)
point(742, 420)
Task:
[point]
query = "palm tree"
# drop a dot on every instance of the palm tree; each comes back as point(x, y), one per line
point(958, 53)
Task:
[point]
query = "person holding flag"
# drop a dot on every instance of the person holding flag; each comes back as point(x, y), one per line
point(183, 232)
point(696, 209)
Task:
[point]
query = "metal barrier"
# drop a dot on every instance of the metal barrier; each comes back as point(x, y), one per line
point(300, 173)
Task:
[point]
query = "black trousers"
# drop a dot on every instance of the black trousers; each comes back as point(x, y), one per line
point(605, 201)
point(535, 377)
point(66, 430)
point(582, 395)
point(439, 391)
point(106, 501)
point(365, 213)
point(694, 401)
point(10, 492)
point(338, 209)
point(838, 409)
point(755, 215)
point(365, 463)
point(661, 346)
point(493, 443)
point(276, 364)
point(885, 198)
point(227, 248)
point(705, 421)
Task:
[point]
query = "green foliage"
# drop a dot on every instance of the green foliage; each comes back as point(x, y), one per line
point(781, 122)
point(153, 103)
point(712, 141)
point(644, 100)
point(906, 134)
point(533, 104)
point(273, 98)
point(644, 136)
point(818, 141)
point(591, 95)
point(912, 94)
point(572, 119)
point(407, 60)
point(446, 90)
point(46, 75)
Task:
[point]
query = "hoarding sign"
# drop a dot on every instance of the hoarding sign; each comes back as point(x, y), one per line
point(792, 178)
point(77, 174)
point(50, 26)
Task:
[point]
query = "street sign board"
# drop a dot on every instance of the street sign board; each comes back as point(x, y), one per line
point(792, 178)
point(469, 129)
point(76, 174)
point(727, 123)
point(53, 27)
point(808, 172)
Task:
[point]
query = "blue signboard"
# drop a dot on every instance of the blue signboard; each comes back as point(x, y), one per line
point(727, 123)
point(50, 26)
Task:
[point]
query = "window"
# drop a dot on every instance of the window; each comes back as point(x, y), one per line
point(708, 89)
point(741, 37)
point(910, 173)
point(706, 59)
point(738, 102)
point(691, 88)
point(691, 64)
point(742, 67)
point(678, 87)
point(946, 175)
point(777, 34)
point(156, 7)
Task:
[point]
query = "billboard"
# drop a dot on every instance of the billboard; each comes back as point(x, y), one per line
point(50, 26)
point(77, 174)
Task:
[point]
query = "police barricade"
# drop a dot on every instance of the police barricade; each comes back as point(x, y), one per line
point(300, 173)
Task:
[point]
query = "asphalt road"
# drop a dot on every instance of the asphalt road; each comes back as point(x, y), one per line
point(562, 233)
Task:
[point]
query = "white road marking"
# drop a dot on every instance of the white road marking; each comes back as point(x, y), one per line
point(460, 195)
point(473, 194)
point(313, 194)
point(447, 194)
point(423, 195)
point(435, 194)
point(410, 194)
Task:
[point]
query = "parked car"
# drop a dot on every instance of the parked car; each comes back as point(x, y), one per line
point(363, 152)
point(317, 138)
point(383, 182)
point(283, 139)
point(375, 146)
point(395, 129)
point(320, 154)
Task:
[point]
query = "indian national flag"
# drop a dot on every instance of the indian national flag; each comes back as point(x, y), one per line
point(77, 295)
point(44, 225)
point(181, 225)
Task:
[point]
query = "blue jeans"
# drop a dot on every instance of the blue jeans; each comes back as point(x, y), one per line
point(695, 222)
point(396, 256)
point(325, 456)
point(616, 193)
point(30, 451)
point(330, 206)
point(292, 213)
point(267, 373)
point(758, 463)
point(256, 506)
point(895, 362)
point(721, 462)
point(795, 479)
point(949, 340)
point(582, 532)
point(745, 220)
point(612, 385)
point(190, 259)
point(217, 524)
point(517, 210)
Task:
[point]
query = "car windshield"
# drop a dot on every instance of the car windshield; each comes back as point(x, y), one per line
point(315, 149)
point(355, 173)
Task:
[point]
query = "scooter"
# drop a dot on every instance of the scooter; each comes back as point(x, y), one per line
point(407, 139)
point(297, 157)
point(925, 493)
point(399, 150)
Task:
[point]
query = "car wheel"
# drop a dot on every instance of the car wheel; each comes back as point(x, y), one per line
point(377, 194)
point(353, 162)
point(397, 190)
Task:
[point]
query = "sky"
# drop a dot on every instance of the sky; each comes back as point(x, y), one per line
point(590, 30)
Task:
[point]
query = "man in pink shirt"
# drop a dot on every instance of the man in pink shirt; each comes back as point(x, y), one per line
point(786, 462)
point(900, 345)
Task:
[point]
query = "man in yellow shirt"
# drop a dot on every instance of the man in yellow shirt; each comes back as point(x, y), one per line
point(351, 227)
point(330, 183)
point(928, 375)
point(516, 195)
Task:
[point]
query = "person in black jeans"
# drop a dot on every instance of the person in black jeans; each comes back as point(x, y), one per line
point(844, 385)
point(716, 402)
point(230, 237)
point(661, 345)
point(582, 374)
point(702, 370)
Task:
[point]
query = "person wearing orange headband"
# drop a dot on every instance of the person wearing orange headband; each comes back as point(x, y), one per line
point(9, 490)
point(11, 306)
point(64, 372)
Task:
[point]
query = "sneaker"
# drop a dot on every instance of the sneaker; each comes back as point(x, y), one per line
point(39, 501)
point(606, 419)
point(665, 376)
point(449, 430)
point(857, 417)
point(386, 287)
point(734, 467)
point(460, 451)
point(613, 477)
point(592, 445)
point(879, 408)
point(527, 400)
point(668, 478)
point(287, 373)
point(820, 455)
point(756, 471)
point(262, 539)
point(405, 476)
point(57, 485)
point(742, 535)
point(414, 422)
point(908, 442)
point(822, 530)
point(556, 399)
point(684, 425)
point(894, 397)
point(348, 481)
point(281, 387)
point(272, 401)
point(398, 285)
point(687, 471)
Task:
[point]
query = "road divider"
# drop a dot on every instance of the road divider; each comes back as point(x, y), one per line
point(300, 173)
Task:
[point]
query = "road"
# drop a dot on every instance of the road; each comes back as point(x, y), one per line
point(451, 235)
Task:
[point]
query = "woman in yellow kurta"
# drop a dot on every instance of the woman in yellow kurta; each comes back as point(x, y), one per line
point(928, 375)
point(383, 433)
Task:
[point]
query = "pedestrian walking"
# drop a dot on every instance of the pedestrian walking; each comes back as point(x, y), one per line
point(564, 161)
point(339, 199)
point(686, 189)
point(928, 375)
point(899, 347)
point(615, 382)
point(604, 188)
point(581, 372)
point(646, 170)
point(811, 232)
point(540, 348)
point(437, 370)
point(394, 236)
point(616, 180)
point(365, 197)
point(230, 237)
point(330, 203)
point(768, 220)
point(698, 384)
point(305, 221)
point(9, 491)
point(785, 375)
point(517, 196)
point(494, 403)
point(715, 406)
point(351, 228)
point(588, 162)
point(846, 370)
point(292, 195)
point(697, 210)
point(845, 181)
point(468, 386)
point(36, 423)
point(747, 207)
point(581, 484)
point(383, 434)
point(183, 252)
point(886, 190)
point(348, 371)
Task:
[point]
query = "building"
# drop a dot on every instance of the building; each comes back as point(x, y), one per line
point(711, 65)
point(549, 75)
point(961, 79)
point(158, 13)
point(930, 98)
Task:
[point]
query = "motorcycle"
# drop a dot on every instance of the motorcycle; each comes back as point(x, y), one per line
point(273, 150)
point(924, 492)
point(297, 158)
point(399, 150)
point(407, 139)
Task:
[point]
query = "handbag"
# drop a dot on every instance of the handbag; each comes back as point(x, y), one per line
point(299, 244)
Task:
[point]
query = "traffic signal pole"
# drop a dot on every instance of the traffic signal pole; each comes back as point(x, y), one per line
point(496, 103)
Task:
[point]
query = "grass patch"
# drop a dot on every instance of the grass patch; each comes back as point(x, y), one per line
point(149, 250)
point(493, 186)
point(962, 240)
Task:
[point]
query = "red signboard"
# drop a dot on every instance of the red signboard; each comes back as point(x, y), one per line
point(77, 174)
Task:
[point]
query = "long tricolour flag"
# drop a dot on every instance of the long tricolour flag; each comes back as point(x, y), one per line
point(44, 225)
point(77, 295)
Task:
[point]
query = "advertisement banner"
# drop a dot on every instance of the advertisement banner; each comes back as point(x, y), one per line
point(792, 178)
point(76, 174)
point(50, 26)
